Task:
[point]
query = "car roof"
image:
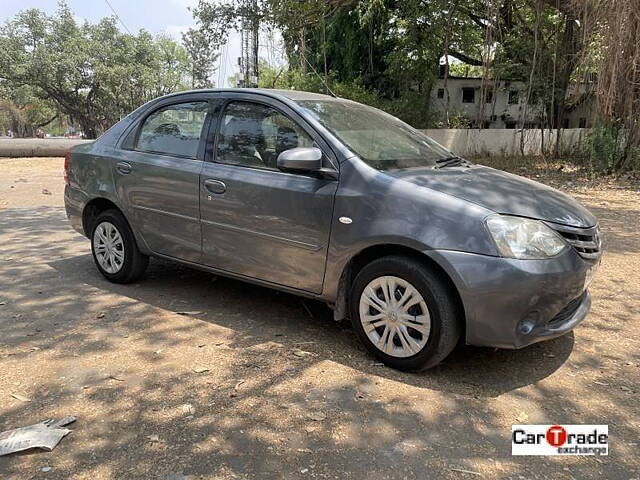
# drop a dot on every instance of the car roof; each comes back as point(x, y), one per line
point(294, 95)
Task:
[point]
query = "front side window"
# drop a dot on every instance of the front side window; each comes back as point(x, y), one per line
point(253, 135)
point(379, 139)
point(174, 130)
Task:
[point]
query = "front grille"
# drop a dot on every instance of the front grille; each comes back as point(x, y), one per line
point(567, 311)
point(586, 241)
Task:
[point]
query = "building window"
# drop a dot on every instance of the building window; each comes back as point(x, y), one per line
point(510, 125)
point(565, 123)
point(514, 97)
point(441, 93)
point(583, 123)
point(468, 95)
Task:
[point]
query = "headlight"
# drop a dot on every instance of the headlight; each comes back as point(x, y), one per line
point(524, 238)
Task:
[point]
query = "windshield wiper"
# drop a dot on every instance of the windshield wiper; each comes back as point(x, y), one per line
point(453, 161)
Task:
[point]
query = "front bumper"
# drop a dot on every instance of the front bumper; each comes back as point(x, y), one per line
point(512, 303)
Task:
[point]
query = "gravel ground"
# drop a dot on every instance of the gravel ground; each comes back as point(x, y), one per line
point(188, 375)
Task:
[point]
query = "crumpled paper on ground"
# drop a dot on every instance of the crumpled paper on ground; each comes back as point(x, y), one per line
point(45, 435)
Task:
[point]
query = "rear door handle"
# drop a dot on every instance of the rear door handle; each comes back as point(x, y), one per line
point(215, 186)
point(123, 167)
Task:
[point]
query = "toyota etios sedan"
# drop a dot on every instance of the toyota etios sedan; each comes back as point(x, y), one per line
point(334, 200)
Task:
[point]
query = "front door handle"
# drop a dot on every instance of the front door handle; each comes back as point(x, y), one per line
point(215, 186)
point(123, 167)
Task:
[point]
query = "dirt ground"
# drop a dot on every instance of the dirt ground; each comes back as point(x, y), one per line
point(251, 383)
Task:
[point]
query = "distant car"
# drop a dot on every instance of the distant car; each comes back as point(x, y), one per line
point(338, 201)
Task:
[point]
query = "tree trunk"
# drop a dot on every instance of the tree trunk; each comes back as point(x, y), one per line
point(571, 45)
point(255, 48)
point(303, 52)
point(89, 127)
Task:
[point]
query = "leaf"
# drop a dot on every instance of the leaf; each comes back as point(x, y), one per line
point(22, 398)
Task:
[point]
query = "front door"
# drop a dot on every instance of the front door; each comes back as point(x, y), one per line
point(157, 179)
point(258, 221)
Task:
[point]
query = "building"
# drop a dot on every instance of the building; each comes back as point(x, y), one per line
point(501, 104)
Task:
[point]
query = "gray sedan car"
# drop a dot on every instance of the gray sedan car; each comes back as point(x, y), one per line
point(330, 199)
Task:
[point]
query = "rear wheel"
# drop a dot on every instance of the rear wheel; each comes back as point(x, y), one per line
point(114, 248)
point(404, 313)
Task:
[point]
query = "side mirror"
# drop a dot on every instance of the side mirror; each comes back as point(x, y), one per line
point(300, 160)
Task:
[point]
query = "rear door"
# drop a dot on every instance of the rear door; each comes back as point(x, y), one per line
point(258, 221)
point(158, 178)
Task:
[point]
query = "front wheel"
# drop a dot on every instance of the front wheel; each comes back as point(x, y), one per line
point(404, 313)
point(114, 248)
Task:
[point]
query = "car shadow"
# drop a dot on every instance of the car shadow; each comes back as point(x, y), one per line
point(258, 315)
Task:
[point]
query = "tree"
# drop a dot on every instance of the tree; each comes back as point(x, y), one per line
point(23, 112)
point(94, 74)
point(203, 55)
point(614, 34)
point(390, 46)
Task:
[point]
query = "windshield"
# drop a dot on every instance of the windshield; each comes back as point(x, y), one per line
point(381, 140)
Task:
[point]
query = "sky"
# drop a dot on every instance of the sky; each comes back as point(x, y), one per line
point(156, 16)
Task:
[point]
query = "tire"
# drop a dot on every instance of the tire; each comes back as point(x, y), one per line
point(127, 263)
point(407, 348)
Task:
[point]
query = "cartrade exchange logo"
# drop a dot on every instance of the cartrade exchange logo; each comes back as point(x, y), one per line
point(560, 440)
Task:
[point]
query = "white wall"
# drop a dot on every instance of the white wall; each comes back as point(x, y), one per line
point(37, 147)
point(504, 142)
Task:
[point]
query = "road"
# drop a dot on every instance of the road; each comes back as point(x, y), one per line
point(189, 375)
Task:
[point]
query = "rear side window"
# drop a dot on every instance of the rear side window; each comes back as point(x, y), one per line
point(174, 130)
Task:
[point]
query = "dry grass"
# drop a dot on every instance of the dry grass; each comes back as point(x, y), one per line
point(561, 173)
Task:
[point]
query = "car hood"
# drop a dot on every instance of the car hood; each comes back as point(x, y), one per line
point(502, 192)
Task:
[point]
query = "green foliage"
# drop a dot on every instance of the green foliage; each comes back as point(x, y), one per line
point(393, 48)
point(460, 69)
point(92, 73)
point(389, 46)
point(456, 120)
point(22, 111)
point(203, 55)
point(411, 107)
point(608, 149)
